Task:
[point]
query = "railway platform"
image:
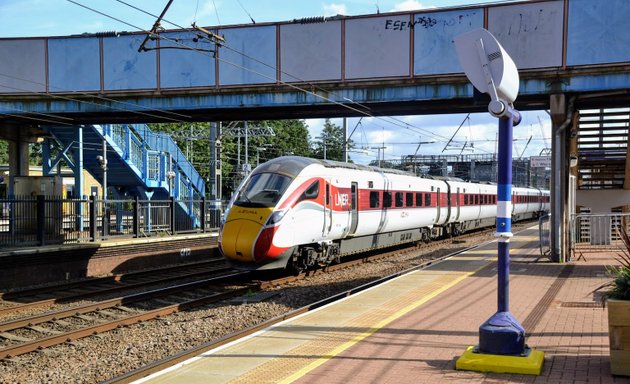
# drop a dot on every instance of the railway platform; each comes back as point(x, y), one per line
point(50, 264)
point(413, 328)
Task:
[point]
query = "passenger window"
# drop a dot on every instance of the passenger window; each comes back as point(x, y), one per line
point(427, 200)
point(399, 199)
point(387, 199)
point(419, 199)
point(409, 198)
point(374, 199)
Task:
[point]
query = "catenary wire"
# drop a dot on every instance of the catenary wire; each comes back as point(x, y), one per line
point(398, 123)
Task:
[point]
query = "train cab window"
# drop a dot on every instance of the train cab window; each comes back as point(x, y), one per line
point(418, 199)
point(399, 199)
point(263, 190)
point(374, 199)
point(427, 200)
point(311, 192)
point(387, 199)
point(409, 199)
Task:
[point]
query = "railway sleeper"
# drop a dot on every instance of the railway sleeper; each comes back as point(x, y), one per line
point(40, 329)
point(12, 337)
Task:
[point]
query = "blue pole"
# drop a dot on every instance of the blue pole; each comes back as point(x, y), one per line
point(504, 214)
point(502, 334)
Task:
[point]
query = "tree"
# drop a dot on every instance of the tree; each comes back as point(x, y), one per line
point(291, 138)
point(331, 142)
point(4, 152)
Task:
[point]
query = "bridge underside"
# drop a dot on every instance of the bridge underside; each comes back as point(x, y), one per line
point(452, 94)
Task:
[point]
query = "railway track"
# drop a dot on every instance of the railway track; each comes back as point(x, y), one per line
point(33, 333)
point(37, 332)
point(65, 293)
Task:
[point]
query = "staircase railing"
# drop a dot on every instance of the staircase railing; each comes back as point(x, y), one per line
point(164, 142)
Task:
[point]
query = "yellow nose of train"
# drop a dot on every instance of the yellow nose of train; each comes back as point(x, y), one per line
point(240, 232)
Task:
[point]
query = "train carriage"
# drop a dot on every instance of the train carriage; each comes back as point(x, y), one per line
point(295, 212)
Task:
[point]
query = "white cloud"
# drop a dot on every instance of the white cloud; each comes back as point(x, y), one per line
point(335, 9)
point(408, 5)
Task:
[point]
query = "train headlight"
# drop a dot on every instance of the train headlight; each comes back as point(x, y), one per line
point(276, 217)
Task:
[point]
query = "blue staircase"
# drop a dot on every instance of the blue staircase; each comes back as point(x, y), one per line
point(139, 162)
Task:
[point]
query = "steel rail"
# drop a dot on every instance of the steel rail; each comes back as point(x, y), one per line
point(87, 294)
point(50, 341)
point(112, 303)
point(111, 279)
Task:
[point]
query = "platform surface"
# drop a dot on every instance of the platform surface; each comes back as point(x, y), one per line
point(412, 329)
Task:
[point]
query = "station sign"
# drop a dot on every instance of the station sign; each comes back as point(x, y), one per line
point(540, 161)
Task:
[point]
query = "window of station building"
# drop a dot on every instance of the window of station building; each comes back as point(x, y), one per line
point(418, 199)
point(387, 199)
point(374, 199)
point(399, 199)
point(427, 200)
point(409, 199)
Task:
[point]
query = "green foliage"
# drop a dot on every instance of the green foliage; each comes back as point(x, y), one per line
point(619, 288)
point(331, 142)
point(35, 153)
point(291, 138)
point(4, 152)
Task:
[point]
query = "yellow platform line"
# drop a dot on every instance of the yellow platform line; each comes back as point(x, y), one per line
point(362, 336)
point(271, 368)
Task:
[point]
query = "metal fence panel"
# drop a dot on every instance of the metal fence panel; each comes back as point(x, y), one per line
point(598, 232)
point(39, 220)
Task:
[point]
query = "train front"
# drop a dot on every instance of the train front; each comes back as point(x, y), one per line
point(253, 216)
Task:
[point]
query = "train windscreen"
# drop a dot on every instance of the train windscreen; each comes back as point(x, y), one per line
point(263, 190)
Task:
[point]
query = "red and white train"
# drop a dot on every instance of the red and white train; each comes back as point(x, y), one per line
point(296, 212)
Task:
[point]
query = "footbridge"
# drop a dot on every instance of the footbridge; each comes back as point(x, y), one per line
point(572, 56)
point(395, 63)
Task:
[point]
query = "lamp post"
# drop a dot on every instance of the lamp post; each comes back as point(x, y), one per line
point(491, 70)
point(258, 150)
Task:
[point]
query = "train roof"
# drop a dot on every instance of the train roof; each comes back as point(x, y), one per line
point(293, 165)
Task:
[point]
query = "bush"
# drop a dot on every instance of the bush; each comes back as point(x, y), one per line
point(619, 287)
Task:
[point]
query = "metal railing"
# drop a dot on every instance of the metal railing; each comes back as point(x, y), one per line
point(41, 220)
point(544, 234)
point(597, 232)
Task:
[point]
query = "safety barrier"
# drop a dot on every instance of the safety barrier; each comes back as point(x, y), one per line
point(41, 220)
point(595, 233)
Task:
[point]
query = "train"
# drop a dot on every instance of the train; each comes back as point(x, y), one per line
point(298, 213)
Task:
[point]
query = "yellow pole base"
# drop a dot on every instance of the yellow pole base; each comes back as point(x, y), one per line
point(481, 362)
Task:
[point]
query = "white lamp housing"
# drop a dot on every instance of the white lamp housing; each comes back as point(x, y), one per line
point(478, 50)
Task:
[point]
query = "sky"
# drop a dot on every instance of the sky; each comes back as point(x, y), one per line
point(398, 135)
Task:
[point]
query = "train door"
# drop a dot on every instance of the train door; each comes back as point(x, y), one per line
point(438, 204)
point(457, 204)
point(327, 210)
point(354, 207)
